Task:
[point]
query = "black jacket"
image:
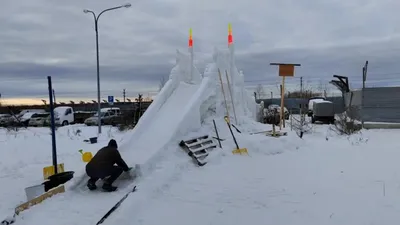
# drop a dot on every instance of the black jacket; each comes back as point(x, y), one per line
point(104, 160)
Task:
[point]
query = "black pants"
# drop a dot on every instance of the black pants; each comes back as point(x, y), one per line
point(112, 173)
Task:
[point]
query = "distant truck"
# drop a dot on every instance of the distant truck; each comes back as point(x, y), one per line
point(323, 111)
point(64, 115)
point(311, 102)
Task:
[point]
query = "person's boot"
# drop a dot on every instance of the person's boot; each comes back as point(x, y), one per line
point(108, 187)
point(91, 184)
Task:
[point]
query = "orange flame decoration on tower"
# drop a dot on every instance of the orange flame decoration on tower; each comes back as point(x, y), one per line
point(190, 38)
point(230, 37)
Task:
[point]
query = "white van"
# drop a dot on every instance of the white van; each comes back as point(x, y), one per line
point(63, 115)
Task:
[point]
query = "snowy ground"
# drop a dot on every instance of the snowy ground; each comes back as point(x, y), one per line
point(313, 181)
point(320, 179)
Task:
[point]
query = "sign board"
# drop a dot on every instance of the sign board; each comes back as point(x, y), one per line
point(110, 100)
point(286, 70)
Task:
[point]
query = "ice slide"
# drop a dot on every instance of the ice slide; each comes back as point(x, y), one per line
point(169, 115)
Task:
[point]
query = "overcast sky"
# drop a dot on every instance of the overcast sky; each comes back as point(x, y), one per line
point(39, 38)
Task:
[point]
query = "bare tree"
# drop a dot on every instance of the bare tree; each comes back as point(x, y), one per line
point(301, 125)
point(260, 91)
point(323, 88)
point(346, 121)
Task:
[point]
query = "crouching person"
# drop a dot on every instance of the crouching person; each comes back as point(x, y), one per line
point(102, 166)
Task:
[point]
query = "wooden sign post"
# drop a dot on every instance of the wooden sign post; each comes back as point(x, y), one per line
point(285, 70)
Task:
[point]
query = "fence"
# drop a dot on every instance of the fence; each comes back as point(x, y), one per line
point(124, 106)
point(380, 104)
point(294, 104)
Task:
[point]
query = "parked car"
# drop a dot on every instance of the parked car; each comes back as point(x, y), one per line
point(116, 110)
point(5, 119)
point(81, 116)
point(106, 118)
point(23, 111)
point(63, 115)
point(39, 119)
point(24, 119)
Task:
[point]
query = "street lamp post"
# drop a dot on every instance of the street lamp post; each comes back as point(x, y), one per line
point(96, 19)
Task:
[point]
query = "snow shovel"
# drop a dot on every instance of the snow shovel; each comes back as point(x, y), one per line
point(237, 150)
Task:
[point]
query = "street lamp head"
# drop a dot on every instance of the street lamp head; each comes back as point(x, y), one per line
point(127, 5)
point(85, 11)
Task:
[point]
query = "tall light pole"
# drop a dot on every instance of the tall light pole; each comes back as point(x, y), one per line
point(96, 19)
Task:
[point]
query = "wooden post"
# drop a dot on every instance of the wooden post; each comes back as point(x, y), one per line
point(285, 70)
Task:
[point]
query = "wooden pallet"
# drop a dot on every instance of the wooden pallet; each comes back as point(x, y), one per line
point(197, 148)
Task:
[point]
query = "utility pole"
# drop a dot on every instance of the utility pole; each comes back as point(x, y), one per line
point(124, 93)
point(302, 98)
point(301, 92)
point(302, 116)
point(301, 87)
point(364, 78)
point(54, 96)
point(96, 19)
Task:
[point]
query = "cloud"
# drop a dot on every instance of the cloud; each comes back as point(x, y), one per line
point(137, 45)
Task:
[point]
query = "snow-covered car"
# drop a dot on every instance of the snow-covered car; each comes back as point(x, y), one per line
point(24, 119)
point(39, 119)
point(5, 119)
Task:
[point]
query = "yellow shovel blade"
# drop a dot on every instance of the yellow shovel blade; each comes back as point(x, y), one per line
point(49, 170)
point(240, 151)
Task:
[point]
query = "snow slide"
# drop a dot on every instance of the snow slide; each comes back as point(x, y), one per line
point(185, 103)
point(170, 114)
